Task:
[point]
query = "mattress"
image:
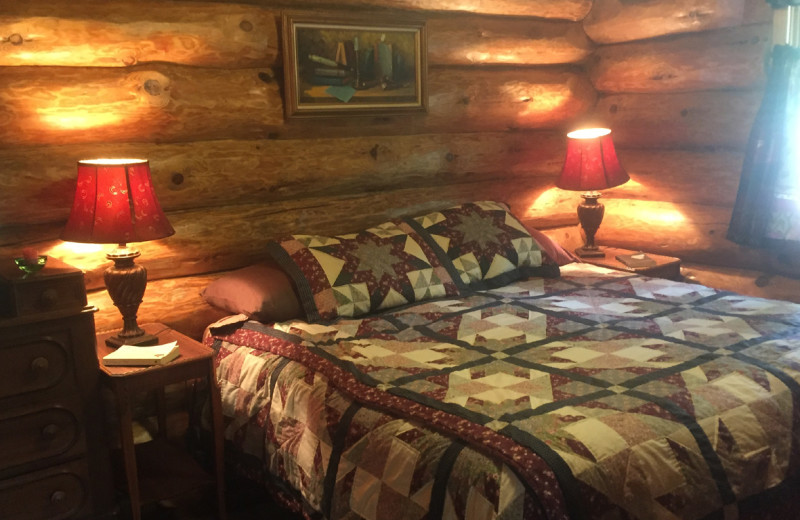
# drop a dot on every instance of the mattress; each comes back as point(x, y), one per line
point(598, 394)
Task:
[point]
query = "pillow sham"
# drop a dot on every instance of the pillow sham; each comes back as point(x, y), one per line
point(351, 275)
point(262, 292)
point(487, 245)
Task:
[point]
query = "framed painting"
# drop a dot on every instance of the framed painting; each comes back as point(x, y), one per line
point(336, 66)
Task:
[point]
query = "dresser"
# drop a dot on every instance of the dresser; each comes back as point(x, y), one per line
point(54, 460)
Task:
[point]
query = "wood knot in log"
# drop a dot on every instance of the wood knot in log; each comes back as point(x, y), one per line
point(663, 76)
point(450, 157)
point(246, 26)
point(152, 87)
point(696, 16)
point(154, 84)
point(374, 152)
point(177, 178)
point(15, 39)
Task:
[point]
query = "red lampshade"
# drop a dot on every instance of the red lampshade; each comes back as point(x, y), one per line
point(115, 203)
point(591, 162)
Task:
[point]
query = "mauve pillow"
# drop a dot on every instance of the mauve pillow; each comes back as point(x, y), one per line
point(262, 291)
point(552, 248)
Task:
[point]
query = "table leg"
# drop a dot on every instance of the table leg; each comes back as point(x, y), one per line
point(161, 411)
point(128, 451)
point(219, 439)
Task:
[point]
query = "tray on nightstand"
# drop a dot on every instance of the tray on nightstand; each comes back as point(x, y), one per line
point(57, 286)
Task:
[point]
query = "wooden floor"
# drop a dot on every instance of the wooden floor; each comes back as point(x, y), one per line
point(244, 502)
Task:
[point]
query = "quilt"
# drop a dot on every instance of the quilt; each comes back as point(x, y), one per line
point(594, 395)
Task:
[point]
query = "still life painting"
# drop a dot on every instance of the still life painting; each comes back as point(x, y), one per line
point(353, 66)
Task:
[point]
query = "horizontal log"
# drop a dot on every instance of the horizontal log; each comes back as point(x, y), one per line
point(473, 100)
point(680, 177)
point(171, 103)
point(482, 40)
point(682, 120)
point(239, 36)
point(121, 34)
point(726, 58)
point(497, 100)
point(39, 183)
point(615, 21)
point(42, 105)
point(231, 236)
point(560, 9)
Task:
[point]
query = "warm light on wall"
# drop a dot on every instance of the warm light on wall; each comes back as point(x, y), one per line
point(78, 118)
point(660, 215)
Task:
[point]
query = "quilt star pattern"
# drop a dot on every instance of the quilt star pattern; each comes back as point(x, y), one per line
point(607, 395)
point(488, 246)
point(350, 275)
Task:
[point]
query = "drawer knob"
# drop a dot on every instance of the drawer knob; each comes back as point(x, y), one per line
point(58, 497)
point(50, 431)
point(48, 298)
point(39, 366)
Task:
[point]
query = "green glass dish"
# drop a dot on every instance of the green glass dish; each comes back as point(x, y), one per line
point(29, 268)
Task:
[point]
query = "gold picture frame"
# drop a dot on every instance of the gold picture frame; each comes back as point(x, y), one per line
point(354, 65)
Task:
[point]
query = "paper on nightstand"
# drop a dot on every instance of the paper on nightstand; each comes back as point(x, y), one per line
point(132, 355)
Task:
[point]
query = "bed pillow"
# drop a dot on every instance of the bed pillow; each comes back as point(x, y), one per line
point(553, 249)
point(262, 292)
point(487, 245)
point(351, 275)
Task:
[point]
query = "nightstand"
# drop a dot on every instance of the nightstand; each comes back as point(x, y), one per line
point(160, 469)
point(666, 266)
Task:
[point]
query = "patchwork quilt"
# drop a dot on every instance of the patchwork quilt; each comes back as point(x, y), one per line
point(594, 395)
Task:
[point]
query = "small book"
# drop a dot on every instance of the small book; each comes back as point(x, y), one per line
point(133, 355)
point(637, 260)
point(325, 80)
point(330, 72)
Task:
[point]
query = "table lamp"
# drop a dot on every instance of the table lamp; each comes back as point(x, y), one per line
point(115, 203)
point(591, 164)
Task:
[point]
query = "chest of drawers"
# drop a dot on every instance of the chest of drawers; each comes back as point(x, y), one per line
point(53, 456)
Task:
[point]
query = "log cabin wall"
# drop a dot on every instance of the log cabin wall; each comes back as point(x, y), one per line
point(196, 88)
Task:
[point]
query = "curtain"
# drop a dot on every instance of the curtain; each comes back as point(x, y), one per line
point(767, 209)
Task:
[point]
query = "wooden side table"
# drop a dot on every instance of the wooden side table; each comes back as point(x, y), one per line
point(666, 266)
point(158, 470)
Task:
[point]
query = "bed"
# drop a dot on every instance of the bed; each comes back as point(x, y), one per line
point(454, 365)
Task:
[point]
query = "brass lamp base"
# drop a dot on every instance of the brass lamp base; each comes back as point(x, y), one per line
point(126, 282)
point(139, 341)
point(585, 252)
point(590, 215)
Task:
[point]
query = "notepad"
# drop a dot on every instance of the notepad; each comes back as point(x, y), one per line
point(637, 260)
point(132, 355)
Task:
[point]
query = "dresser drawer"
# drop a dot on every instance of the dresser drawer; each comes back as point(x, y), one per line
point(57, 286)
point(37, 435)
point(54, 494)
point(31, 365)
